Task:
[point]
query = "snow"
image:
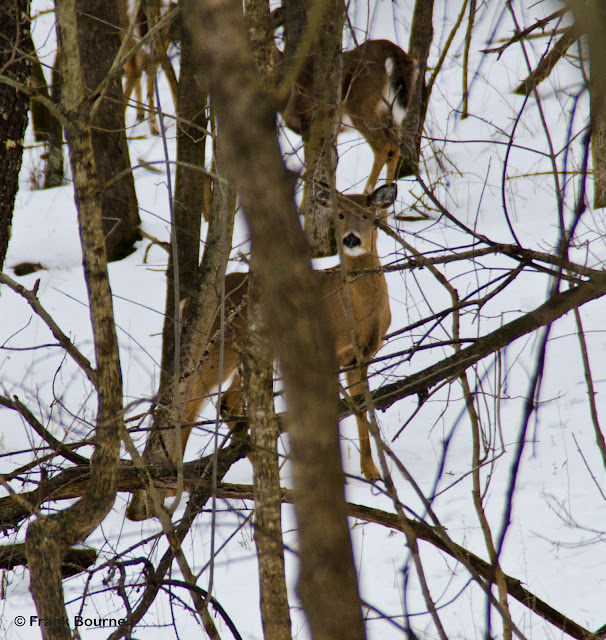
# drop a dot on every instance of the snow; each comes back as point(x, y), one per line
point(554, 543)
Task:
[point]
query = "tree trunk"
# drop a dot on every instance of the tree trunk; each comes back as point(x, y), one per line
point(99, 41)
point(590, 18)
point(421, 36)
point(49, 537)
point(321, 129)
point(189, 203)
point(47, 127)
point(298, 329)
point(191, 157)
point(53, 169)
point(15, 46)
point(257, 366)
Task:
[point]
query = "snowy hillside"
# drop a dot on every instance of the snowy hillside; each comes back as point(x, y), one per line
point(498, 173)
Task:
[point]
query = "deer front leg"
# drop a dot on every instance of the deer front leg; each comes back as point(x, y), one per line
point(231, 402)
point(381, 155)
point(150, 76)
point(356, 387)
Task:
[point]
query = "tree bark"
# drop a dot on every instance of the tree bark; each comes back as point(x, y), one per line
point(547, 63)
point(321, 127)
point(591, 19)
point(298, 329)
point(191, 157)
point(189, 202)
point(15, 47)
point(99, 41)
point(54, 167)
point(257, 365)
point(421, 36)
point(49, 537)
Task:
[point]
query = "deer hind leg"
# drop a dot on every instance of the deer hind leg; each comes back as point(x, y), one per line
point(133, 83)
point(393, 156)
point(150, 76)
point(385, 154)
point(381, 154)
point(166, 446)
point(355, 379)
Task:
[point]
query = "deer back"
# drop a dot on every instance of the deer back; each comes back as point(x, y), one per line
point(377, 85)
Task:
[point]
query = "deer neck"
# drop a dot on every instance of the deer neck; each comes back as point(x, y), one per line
point(365, 276)
point(366, 262)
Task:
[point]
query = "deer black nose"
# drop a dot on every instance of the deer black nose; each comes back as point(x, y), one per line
point(351, 241)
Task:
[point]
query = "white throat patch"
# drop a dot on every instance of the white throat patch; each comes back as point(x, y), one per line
point(354, 251)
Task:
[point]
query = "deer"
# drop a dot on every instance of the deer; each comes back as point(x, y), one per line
point(147, 58)
point(363, 291)
point(376, 88)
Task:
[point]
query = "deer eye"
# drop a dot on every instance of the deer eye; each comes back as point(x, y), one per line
point(341, 216)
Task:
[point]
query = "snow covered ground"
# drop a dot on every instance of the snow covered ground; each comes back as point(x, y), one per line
point(554, 543)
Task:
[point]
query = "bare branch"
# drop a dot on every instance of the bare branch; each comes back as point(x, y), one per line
point(62, 339)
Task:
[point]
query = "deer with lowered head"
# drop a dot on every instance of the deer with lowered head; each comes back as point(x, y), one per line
point(363, 291)
point(376, 87)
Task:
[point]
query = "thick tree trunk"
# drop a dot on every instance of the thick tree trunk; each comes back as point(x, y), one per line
point(321, 128)
point(99, 41)
point(191, 158)
point(54, 169)
point(298, 329)
point(590, 18)
point(421, 37)
point(49, 537)
point(15, 46)
point(189, 203)
point(257, 368)
point(47, 127)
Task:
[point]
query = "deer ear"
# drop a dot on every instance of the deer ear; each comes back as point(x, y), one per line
point(322, 194)
point(384, 196)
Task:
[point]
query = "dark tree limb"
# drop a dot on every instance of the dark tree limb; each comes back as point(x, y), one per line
point(99, 42)
point(557, 306)
point(520, 35)
point(75, 560)
point(548, 62)
point(421, 37)
point(590, 19)
point(15, 48)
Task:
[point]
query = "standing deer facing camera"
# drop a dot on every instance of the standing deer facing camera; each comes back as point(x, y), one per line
point(369, 300)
